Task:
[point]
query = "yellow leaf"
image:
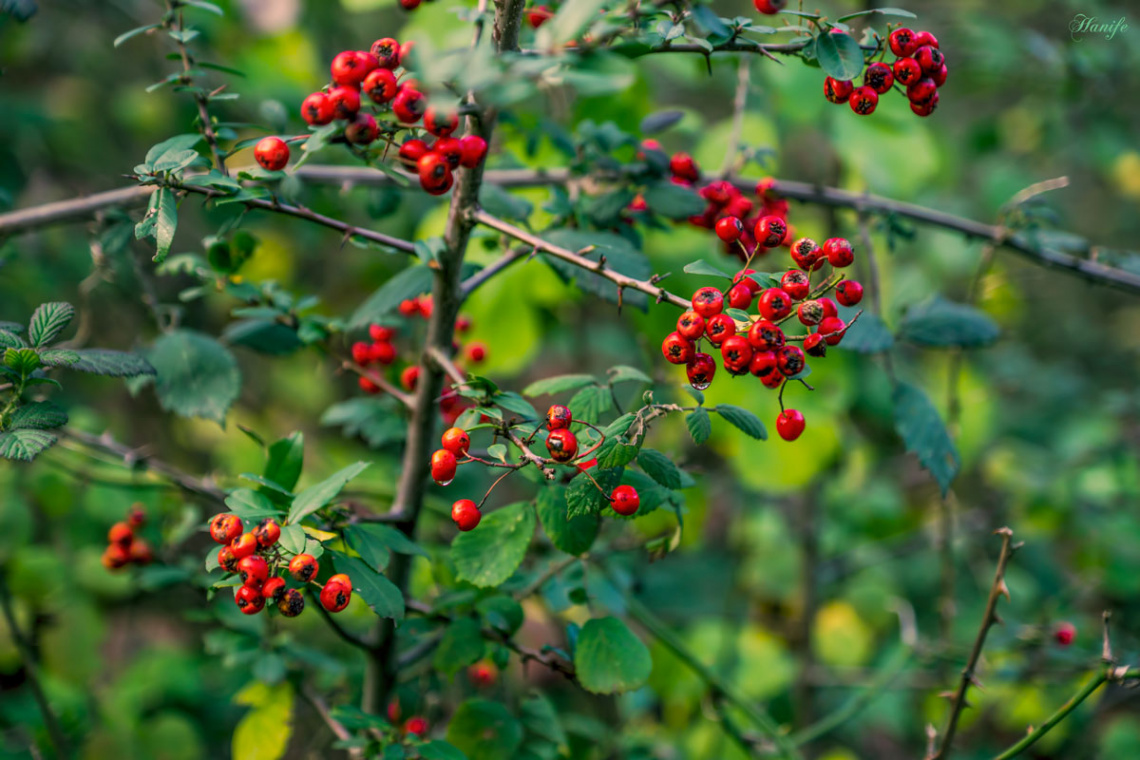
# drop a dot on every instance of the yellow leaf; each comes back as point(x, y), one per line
point(263, 734)
point(320, 535)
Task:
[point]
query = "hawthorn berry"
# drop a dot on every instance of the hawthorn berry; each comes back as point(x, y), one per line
point(443, 467)
point(304, 567)
point(382, 352)
point(456, 441)
point(466, 515)
point(381, 333)
point(136, 517)
point(335, 596)
point(790, 424)
point(472, 150)
point(538, 15)
point(244, 545)
point(922, 91)
point(432, 168)
point(849, 292)
point(368, 386)
point(684, 167)
point(737, 353)
point(864, 100)
point(708, 302)
point(317, 109)
point(769, 7)
point(409, 377)
point(408, 105)
point(807, 255)
point(815, 345)
point(929, 58)
point(121, 534)
point(361, 352)
point(476, 352)
point(559, 417)
point(380, 86)
point(291, 603)
point(700, 370)
point(796, 284)
point(829, 307)
point(939, 76)
point(363, 130)
point(416, 725)
point(810, 313)
point(267, 532)
point(832, 329)
point(345, 101)
point(729, 229)
point(837, 91)
point(624, 500)
point(273, 589)
point(906, 71)
point(718, 329)
point(676, 348)
point(227, 560)
point(739, 297)
point(770, 231)
point(140, 552)
point(387, 52)
point(271, 153)
point(349, 68)
point(924, 38)
point(901, 41)
point(926, 107)
point(765, 335)
point(838, 252)
point(775, 304)
point(253, 570)
point(742, 278)
point(879, 77)
point(450, 149)
point(249, 600)
point(412, 151)
point(763, 364)
point(116, 556)
point(225, 528)
point(440, 122)
point(790, 360)
point(562, 445)
point(691, 325)
point(483, 674)
point(1065, 634)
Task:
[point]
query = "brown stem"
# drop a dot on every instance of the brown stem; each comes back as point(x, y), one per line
point(380, 382)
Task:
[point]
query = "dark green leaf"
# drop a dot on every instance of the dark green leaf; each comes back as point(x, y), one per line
point(609, 658)
point(870, 335)
point(744, 420)
point(251, 505)
point(461, 646)
point(944, 323)
point(572, 535)
point(659, 467)
point(559, 384)
point(839, 55)
point(286, 458)
point(705, 268)
point(196, 375)
point(660, 121)
point(498, 202)
point(24, 445)
point(318, 496)
point(410, 283)
point(379, 593)
point(583, 497)
point(590, 403)
point(492, 552)
point(48, 322)
point(623, 373)
point(482, 729)
point(516, 404)
point(440, 750)
point(673, 201)
point(373, 418)
point(925, 434)
point(38, 415)
point(897, 12)
point(711, 23)
point(700, 426)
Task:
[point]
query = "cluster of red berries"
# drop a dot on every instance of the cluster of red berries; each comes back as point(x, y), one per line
point(919, 66)
point(376, 74)
point(256, 559)
point(124, 547)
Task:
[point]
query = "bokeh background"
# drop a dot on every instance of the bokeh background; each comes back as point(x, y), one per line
point(793, 557)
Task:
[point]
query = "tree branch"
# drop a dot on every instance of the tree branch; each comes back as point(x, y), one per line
point(1090, 688)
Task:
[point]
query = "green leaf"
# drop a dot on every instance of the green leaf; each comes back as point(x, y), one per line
point(163, 153)
point(498, 202)
point(870, 335)
point(705, 268)
point(925, 435)
point(251, 505)
point(379, 593)
point(572, 19)
point(165, 225)
point(540, 719)
point(558, 384)
point(263, 335)
point(609, 658)
point(22, 360)
point(615, 451)
point(743, 420)
point(55, 357)
point(590, 403)
point(409, 283)
point(699, 424)
point(204, 6)
point(939, 322)
point(673, 201)
point(516, 404)
point(573, 535)
point(286, 458)
point(48, 321)
point(839, 55)
point(440, 750)
point(583, 497)
point(25, 445)
point(898, 12)
point(461, 645)
point(196, 375)
point(620, 255)
point(133, 33)
point(659, 121)
point(318, 496)
point(38, 415)
point(659, 467)
point(623, 373)
point(490, 554)
point(264, 732)
point(482, 729)
point(370, 548)
point(373, 418)
point(10, 339)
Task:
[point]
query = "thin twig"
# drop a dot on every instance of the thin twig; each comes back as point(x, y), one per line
point(1034, 734)
point(380, 381)
point(739, 106)
point(338, 729)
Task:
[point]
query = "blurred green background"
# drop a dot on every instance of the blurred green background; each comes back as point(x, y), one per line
point(1049, 430)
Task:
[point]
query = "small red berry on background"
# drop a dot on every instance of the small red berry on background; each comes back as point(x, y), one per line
point(810, 313)
point(691, 325)
point(361, 352)
point(380, 86)
point(769, 7)
point(363, 130)
point(684, 167)
point(273, 589)
point(120, 533)
point(345, 101)
point(922, 91)
point(807, 255)
point(729, 229)
point(849, 292)
point(409, 377)
point(227, 560)
point(770, 231)
point(440, 122)
point(249, 600)
point(838, 251)
point(136, 517)
point(737, 353)
point(902, 42)
point(790, 360)
point(476, 352)
point(815, 345)
point(483, 674)
point(708, 302)
point(317, 109)
point(879, 77)
point(719, 328)
point(466, 514)
point(387, 52)
point(443, 467)
point(304, 567)
point(456, 441)
point(450, 149)
point(472, 150)
point(382, 352)
point(624, 500)
point(775, 304)
point(765, 335)
point(790, 424)
point(701, 370)
point(906, 71)
point(864, 101)
point(244, 546)
point(676, 348)
point(335, 596)
point(409, 105)
point(225, 528)
point(1065, 634)
point(562, 445)
point(368, 386)
point(462, 323)
point(740, 296)
point(271, 153)
point(267, 532)
point(837, 91)
point(116, 556)
point(381, 333)
point(832, 329)
point(416, 725)
point(291, 603)
point(796, 284)
point(559, 417)
point(538, 15)
point(412, 151)
point(140, 552)
point(349, 68)
point(253, 570)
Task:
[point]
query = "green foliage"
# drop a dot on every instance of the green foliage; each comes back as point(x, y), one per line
point(925, 435)
point(195, 375)
point(573, 535)
point(609, 658)
point(484, 730)
point(320, 495)
point(264, 732)
point(943, 323)
point(489, 555)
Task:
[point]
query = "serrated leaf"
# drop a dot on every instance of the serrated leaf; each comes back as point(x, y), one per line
point(482, 729)
point(38, 415)
point(710, 22)
point(583, 497)
point(897, 12)
point(490, 554)
point(839, 55)
point(623, 373)
point(573, 535)
point(55, 357)
point(699, 424)
point(380, 594)
point(590, 403)
point(870, 335)
point(743, 420)
point(461, 646)
point(318, 496)
point(558, 384)
point(48, 322)
point(25, 445)
point(373, 418)
point(10, 339)
point(944, 323)
point(22, 360)
point(705, 268)
point(516, 404)
point(615, 452)
point(925, 435)
point(409, 283)
point(165, 224)
point(609, 658)
point(196, 375)
point(673, 201)
point(659, 467)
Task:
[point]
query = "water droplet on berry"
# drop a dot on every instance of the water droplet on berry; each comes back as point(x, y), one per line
point(701, 386)
point(445, 482)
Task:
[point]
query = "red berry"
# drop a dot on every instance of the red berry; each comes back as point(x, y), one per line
point(472, 150)
point(676, 348)
point(837, 91)
point(416, 725)
point(483, 674)
point(939, 76)
point(345, 101)
point(271, 153)
point(380, 86)
point(815, 345)
point(559, 417)
point(708, 302)
point(304, 567)
point(244, 545)
point(450, 149)
point(317, 109)
point(369, 386)
point(742, 278)
point(136, 517)
point(361, 352)
point(435, 174)
point(769, 7)
point(267, 532)
point(775, 304)
point(363, 130)
point(335, 596)
point(1065, 634)
point(440, 122)
point(740, 296)
point(538, 16)
point(838, 251)
point(701, 370)
point(249, 600)
point(849, 292)
point(810, 313)
point(412, 151)
point(729, 229)
point(832, 329)
point(624, 500)
point(227, 560)
point(443, 467)
point(381, 333)
point(349, 68)
point(807, 254)
point(763, 364)
point(906, 71)
point(864, 101)
point(718, 329)
point(121, 534)
point(929, 58)
point(765, 336)
point(387, 52)
point(902, 42)
point(253, 570)
point(456, 441)
point(466, 514)
point(273, 588)
point(691, 325)
point(922, 91)
point(924, 38)
point(408, 105)
point(382, 353)
point(116, 556)
point(879, 77)
point(796, 284)
point(225, 528)
point(829, 307)
point(409, 377)
point(737, 353)
point(790, 424)
point(562, 445)
point(476, 352)
point(770, 231)
point(926, 107)
point(291, 603)
point(790, 360)
point(684, 167)
point(140, 552)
